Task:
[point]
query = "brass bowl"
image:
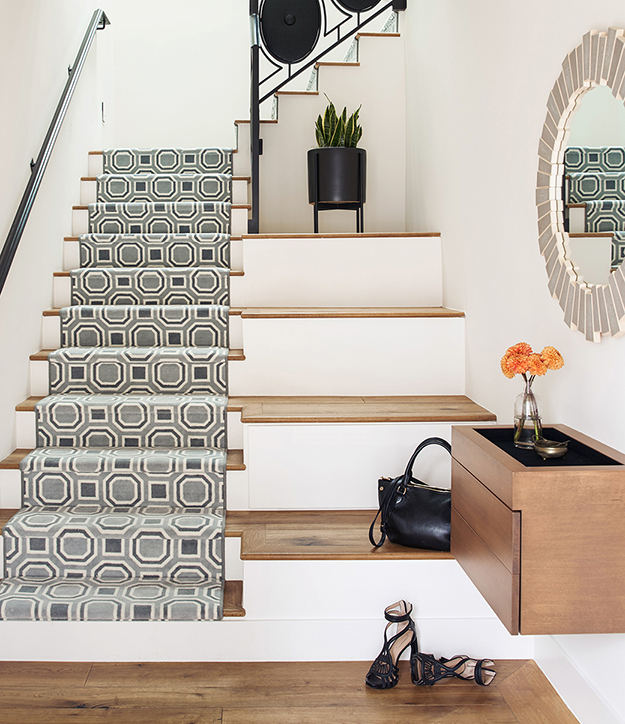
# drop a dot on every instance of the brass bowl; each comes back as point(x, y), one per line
point(550, 448)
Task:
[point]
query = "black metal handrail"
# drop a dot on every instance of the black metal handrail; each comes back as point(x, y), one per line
point(258, 45)
point(37, 168)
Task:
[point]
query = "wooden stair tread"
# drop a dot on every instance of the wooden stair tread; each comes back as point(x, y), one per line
point(263, 120)
point(233, 599)
point(422, 408)
point(590, 234)
point(314, 535)
point(346, 312)
point(12, 461)
point(329, 63)
point(406, 408)
point(296, 93)
point(234, 355)
point(378, 35)
point(328, 235)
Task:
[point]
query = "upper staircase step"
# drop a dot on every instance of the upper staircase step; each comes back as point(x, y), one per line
point(149, 286)
point(184, 217)
point(124, 188)
point(172, 160)
point(155, 325)
point(157, 250)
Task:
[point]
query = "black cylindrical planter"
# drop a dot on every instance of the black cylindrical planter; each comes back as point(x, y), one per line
point(337, 175)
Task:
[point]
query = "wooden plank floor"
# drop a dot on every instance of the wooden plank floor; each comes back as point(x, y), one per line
point(266, 693)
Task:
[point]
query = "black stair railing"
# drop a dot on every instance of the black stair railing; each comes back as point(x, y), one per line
point(290, 36)
point(37, 168)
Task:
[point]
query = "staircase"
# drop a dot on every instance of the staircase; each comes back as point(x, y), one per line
point(341, 358)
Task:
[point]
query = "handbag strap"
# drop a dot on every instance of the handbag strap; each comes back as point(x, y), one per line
point(430, 441)
point(398, 483)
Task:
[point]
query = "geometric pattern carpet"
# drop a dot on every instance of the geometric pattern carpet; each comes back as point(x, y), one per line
point(124, 497)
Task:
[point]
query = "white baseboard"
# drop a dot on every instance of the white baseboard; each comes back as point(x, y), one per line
point(572, 686)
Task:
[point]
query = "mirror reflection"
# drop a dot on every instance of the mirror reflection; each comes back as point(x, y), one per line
point(594, 186)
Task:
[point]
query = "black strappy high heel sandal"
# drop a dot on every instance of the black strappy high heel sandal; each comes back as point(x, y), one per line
point(383, 673)
point(426, 670)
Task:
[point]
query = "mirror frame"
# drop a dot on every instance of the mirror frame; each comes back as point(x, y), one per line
point(592, 309)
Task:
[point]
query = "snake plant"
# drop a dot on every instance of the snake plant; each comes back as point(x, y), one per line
point(334, 130)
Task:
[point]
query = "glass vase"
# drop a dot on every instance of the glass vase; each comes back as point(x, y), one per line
point(527, 422)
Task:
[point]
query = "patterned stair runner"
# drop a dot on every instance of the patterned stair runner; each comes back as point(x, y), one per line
point(123, 506)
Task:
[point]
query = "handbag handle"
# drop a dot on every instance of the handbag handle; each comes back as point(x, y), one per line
point(389, 499)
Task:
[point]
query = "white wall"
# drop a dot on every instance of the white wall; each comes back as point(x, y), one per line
point(38, 41)
point(481, 75)
point(180, 72)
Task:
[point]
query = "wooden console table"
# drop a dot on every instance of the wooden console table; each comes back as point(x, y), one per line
point(543, 541)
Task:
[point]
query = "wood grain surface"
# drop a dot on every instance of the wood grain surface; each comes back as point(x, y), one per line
point(289, 692)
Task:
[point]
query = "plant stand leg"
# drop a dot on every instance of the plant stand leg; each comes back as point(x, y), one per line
point(316, 217)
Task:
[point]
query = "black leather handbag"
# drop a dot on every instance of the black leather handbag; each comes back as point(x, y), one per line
point(413, 513)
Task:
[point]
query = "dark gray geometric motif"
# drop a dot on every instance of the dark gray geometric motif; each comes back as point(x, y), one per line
point(170, 187)
point(600, 159)
point(104, 421)
point(115, 545)
point(145, 326)
point(618, 249)
point(185, 217)
point(168, 160)
point(605, 216)
point(84, 600)
point(595, 187)
point(154, 250)
point(139, 370)
point(190, 478)
point(203, 285)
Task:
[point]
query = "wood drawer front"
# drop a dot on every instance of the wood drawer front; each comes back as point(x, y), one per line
point(497, 525)
point(494, 581)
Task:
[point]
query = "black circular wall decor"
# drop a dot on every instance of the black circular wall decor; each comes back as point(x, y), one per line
point(358, 6)
point(290, 28)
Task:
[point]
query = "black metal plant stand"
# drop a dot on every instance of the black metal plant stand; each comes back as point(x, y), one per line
point(290, 36)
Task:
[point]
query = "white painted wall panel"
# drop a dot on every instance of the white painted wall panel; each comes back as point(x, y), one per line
point(343, 272)
point(371, 356)
point(325, 466)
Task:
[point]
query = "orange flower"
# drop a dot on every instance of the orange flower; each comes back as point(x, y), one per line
point(552, 358)
point(535, 365)
point(519, 348)
point(514, 360)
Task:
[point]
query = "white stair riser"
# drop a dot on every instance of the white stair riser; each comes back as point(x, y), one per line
point(336, 466)
point(348, 356)
point(95, 164)
point(51, 330)
point(314, 624)
point(25, 432)
point(80, 222)
point(577, 220)
point(342, 272)
point(71, 254)
point(89, 192)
